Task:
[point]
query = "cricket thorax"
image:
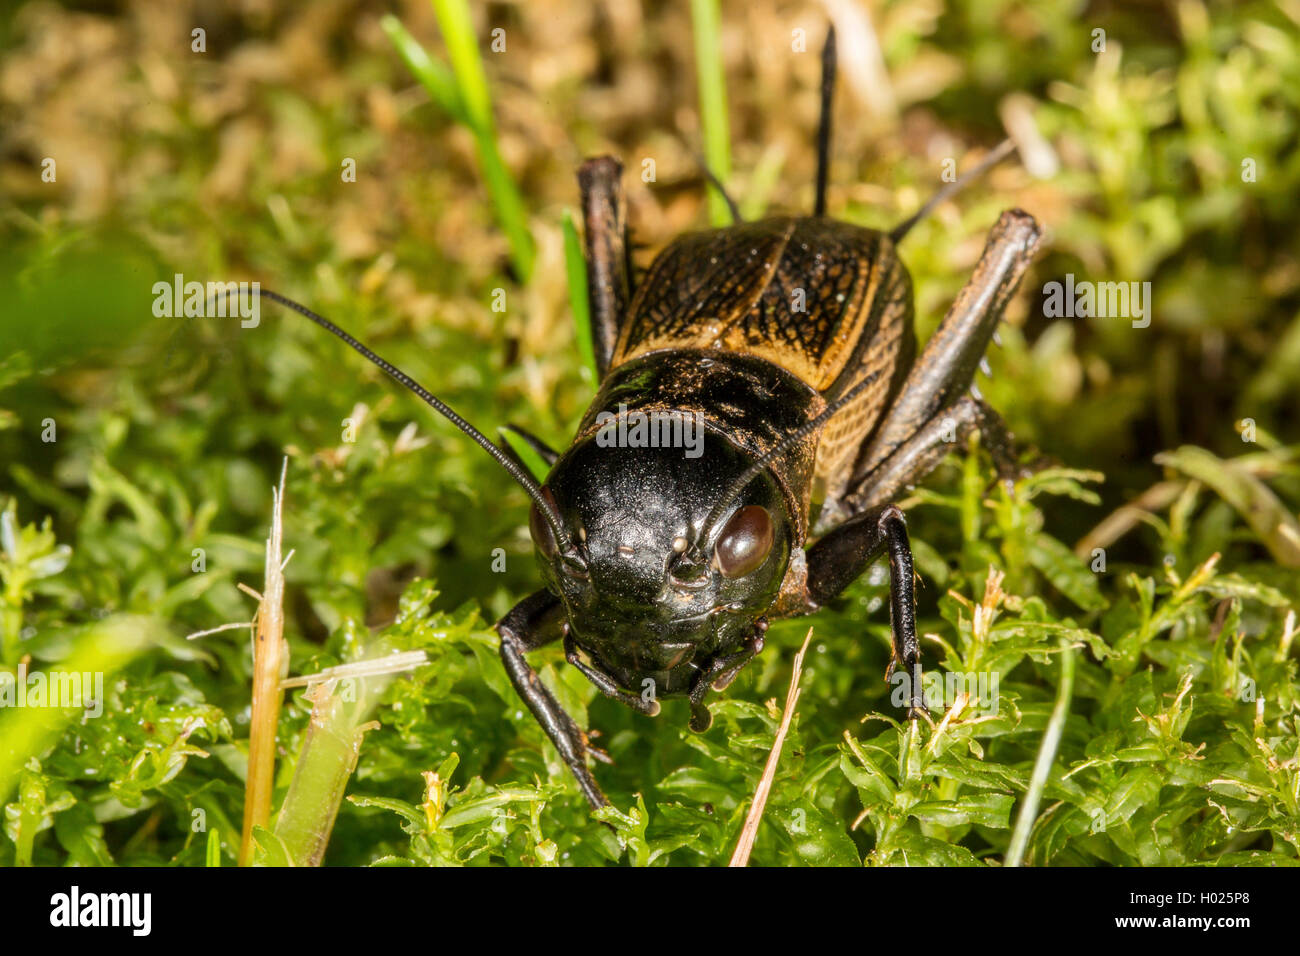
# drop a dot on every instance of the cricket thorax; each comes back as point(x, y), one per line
point(749, 403)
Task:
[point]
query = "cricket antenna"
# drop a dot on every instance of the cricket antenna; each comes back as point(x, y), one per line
point(734, 490)
point(995, 156)
point(530, 485)
point(824, 126)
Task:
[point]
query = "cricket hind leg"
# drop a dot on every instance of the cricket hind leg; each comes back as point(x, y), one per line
point(609, 273)
point(915, 458)
point(943, 375)
point(931, 411)
point(946, 368)
point(875, 528)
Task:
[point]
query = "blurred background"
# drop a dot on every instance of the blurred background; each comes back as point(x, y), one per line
point(1159, 145)
point(1170, 157)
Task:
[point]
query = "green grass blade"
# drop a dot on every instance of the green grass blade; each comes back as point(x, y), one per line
point(763, 180)
point(575, 267)
point(462, 49)
point(1258, 506)
point(713, 101)
point(511, 215)
point(213, 857)
point(1043, 765)
point(463, 93)
point(104, 647)
point(433, 75)
point(324, 766)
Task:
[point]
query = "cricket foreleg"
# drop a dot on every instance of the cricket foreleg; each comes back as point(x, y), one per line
point(605, 683)
point(538, 620)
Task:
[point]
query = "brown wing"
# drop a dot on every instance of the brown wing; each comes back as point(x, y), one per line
point(825, 300)
point(804, 294)
point(701, 287)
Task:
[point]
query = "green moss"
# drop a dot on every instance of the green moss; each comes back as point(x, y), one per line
point(1179, 744)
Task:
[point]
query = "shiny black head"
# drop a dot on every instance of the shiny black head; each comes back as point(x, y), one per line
point(656, 591)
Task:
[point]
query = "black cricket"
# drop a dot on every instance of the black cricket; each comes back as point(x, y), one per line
point(792, 340)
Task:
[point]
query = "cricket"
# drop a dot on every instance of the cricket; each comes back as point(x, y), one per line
point(641, 434)
point(791, 340)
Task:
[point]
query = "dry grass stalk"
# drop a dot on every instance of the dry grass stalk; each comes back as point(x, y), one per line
point(1127, 517)
point(748, 833)
point(378, 666)
point(270, 661)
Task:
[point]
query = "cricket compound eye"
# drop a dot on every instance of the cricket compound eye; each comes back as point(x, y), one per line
point(745, 542)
